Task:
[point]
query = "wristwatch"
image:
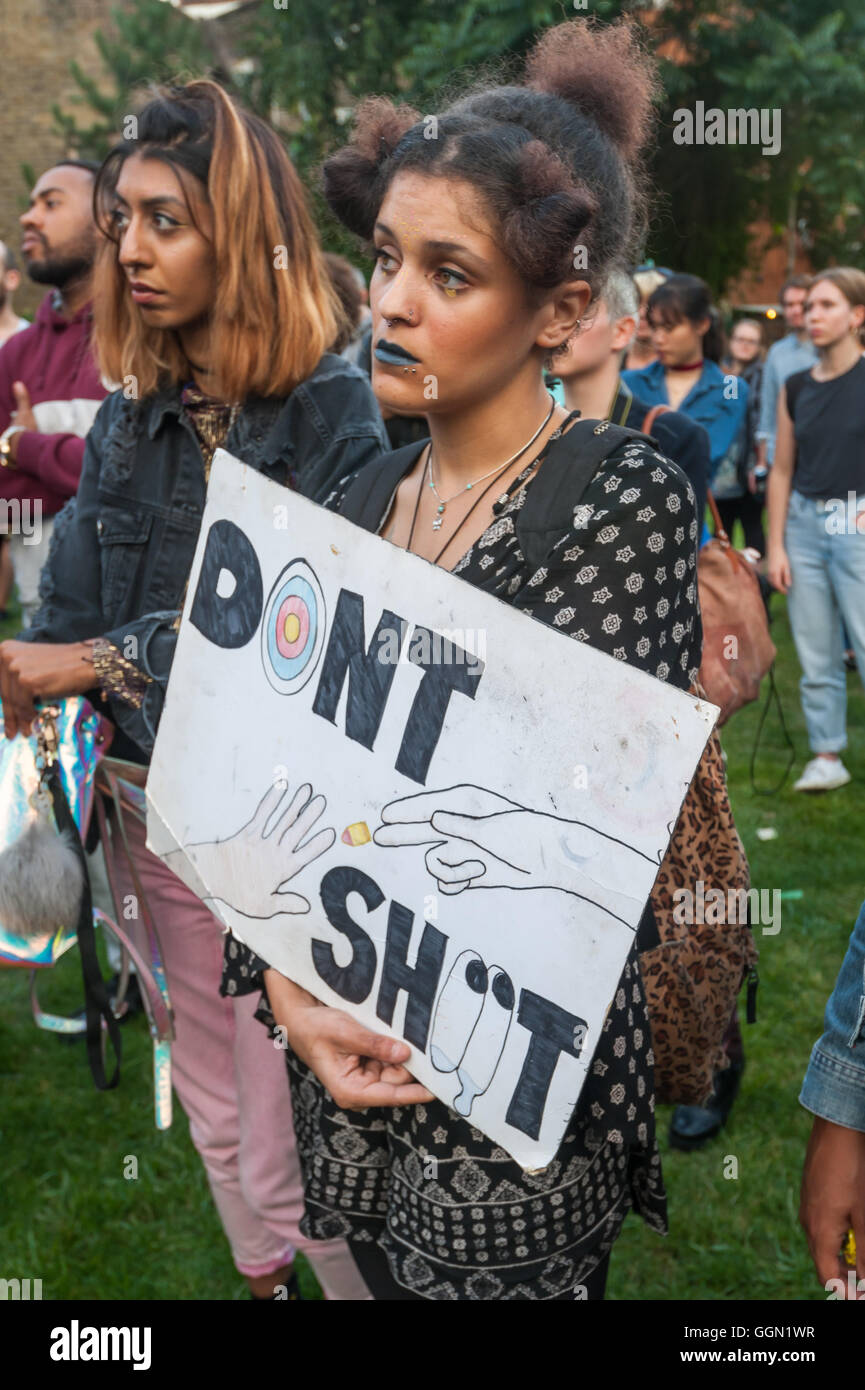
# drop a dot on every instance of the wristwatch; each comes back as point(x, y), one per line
point(6, 459)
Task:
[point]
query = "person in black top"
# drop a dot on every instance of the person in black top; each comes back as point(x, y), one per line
point(817, 514)
point(474, 290)
point(590, 374)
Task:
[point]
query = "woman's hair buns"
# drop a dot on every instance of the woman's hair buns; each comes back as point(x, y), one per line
point(555, 158)
point(380, 126)
point(351, 178)
point(603, 71)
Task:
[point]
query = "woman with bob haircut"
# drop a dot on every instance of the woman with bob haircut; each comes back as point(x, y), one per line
point(475, 234)
point(214, 310)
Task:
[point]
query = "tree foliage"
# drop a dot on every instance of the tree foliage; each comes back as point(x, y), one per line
point(308, 65)
point(807, 65)
point(149, 41)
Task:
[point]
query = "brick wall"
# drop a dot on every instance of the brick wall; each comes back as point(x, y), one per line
point(761, 282)
point(38, 39)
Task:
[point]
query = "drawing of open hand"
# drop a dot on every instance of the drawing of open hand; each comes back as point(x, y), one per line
point(268, 851)
point(478, 839)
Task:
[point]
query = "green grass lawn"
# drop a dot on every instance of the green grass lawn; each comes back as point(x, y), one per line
point(73, 1220)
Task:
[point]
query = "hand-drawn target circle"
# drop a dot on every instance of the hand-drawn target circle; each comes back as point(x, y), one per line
point(294, 627)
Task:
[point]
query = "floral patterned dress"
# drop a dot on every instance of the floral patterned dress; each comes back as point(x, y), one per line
point(455, 1216)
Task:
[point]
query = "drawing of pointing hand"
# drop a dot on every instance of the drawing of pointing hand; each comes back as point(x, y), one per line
point(416, 820)
point(478, 839)
point(248, 870)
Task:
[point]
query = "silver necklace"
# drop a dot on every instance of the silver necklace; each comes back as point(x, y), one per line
point(499, 468)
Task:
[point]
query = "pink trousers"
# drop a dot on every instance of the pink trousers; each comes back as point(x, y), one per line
point(233, 1086)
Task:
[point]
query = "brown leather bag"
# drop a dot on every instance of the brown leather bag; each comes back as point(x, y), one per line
point(737, 648)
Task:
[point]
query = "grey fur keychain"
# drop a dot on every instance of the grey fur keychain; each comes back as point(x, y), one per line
point(41, 877)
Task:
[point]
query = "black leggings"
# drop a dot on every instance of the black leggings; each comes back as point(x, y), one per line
point(375, 1270)
point(749, 510)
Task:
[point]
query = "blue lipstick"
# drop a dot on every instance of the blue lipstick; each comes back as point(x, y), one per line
point(392, 353)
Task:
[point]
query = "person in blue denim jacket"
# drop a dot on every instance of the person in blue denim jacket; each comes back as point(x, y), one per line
point(833, 1182)
point(686, 335)
point(214, 310)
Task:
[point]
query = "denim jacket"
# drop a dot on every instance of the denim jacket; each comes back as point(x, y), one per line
point(834, 1084)
point(710, 403)
point(122, 549)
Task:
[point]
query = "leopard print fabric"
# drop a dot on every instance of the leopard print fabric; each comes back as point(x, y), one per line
point(693, 977)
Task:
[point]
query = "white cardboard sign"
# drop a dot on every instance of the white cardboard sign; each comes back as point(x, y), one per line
point(422, 805)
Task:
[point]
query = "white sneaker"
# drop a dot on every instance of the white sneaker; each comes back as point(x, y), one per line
point(822, 775)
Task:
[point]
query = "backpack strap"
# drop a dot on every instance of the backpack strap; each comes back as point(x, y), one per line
point(570, 464)
point(367, 497)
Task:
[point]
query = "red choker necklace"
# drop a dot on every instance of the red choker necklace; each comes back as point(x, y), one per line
point(686, 366)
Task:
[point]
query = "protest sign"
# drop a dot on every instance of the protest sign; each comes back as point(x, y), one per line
point(414, 800)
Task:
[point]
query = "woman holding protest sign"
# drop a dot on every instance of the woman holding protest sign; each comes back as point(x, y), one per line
point(214, 309)
point(476, 215)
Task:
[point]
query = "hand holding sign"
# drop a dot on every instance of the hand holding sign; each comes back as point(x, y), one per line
point(479, 839)
point(358, 1067)
point(273, 844)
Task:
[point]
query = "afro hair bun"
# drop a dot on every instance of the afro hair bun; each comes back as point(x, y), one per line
point(352, 177)
point(602, 70)
point(553, 210)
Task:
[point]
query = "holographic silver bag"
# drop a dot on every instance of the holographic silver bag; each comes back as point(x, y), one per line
point(48, 791)
point(41, 876)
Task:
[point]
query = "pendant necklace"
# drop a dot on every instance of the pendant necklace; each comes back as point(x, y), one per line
point(490, 485)
point(499, 468)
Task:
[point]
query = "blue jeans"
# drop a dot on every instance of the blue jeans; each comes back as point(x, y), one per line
point(828, 569)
